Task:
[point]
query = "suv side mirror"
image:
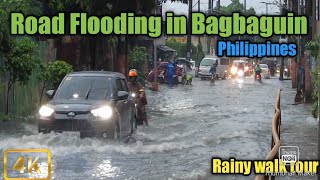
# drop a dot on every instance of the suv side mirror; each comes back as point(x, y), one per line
point(123, 95)
point(50, 93)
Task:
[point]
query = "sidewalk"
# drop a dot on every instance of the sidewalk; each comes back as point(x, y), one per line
point(298, 128)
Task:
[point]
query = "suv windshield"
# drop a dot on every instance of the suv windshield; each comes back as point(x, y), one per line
point(207, 62)
point(84, 87)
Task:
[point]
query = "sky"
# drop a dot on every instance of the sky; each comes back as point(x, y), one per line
point(179, 8)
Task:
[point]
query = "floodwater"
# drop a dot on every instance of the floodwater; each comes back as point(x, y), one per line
point(188, 126)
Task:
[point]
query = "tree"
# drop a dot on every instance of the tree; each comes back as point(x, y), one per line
point(6, 7)
point(19, 63)
point(51, 74)
point(137, 57)
point(313, 47)
point(138, 60)
point(200, 53)
point(236, 6)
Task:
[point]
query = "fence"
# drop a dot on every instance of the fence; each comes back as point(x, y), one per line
point(275, 142)
point(23, 99)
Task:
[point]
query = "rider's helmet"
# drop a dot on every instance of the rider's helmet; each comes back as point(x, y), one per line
point(133, 73)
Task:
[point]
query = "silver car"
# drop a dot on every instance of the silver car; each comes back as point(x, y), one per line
point(265, 71)
point(205, 66)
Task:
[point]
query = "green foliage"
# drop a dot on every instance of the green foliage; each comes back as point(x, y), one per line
point(53, 73)
point(27, 7)
point(315, 92)
point(19, 63)
point(199, 53)
point(21, 60)
point(2, 87)
point(236, 6)
point(313, 47)
point(181, 48)
point(138, 60)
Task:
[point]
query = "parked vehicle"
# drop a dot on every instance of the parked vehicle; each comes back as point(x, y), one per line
point(208, 61)
point(161, 74)
point(94, 103)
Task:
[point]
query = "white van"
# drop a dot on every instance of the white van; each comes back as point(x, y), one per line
point(208, 61)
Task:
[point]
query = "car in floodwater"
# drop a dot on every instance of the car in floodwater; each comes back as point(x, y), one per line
point(95, 103)
point(265, 71)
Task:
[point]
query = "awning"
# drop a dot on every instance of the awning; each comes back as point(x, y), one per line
point(166, 49)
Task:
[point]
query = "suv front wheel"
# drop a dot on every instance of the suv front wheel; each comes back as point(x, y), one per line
point(114, 131)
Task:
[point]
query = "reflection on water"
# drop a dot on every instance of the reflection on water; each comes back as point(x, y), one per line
point(240, 83)
point(106, 170)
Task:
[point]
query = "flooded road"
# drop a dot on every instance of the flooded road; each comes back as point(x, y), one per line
point(188, 126)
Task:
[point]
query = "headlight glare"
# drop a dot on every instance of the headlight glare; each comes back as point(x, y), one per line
point(45, 111)
point(234, 70)
point(104, 112)
point(240, 73)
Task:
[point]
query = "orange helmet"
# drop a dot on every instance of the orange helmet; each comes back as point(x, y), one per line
point(133, 73)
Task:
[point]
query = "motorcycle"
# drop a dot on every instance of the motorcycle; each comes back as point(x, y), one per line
point(161, 78)
point(286, 73)
point(189, 79)
point(138, 120)
point(258, 77)
point(246, 71)
point(240, 73)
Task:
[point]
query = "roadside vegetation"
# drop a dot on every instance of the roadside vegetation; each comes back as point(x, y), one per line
point(313, 47)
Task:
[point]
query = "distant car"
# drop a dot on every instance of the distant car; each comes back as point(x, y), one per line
point(206, 64)
point(265, 71)
point(96, 103)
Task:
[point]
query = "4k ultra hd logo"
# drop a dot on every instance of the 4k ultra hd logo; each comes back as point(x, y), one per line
point(27, 164)
point(289, 154)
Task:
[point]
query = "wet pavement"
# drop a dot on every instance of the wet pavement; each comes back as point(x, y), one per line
point(188, 126)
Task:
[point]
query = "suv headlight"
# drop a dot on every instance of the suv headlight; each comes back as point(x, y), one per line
point(45, 111)
point(104, 112)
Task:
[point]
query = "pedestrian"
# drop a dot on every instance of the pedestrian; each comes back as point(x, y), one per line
point(301, 73)
point(170, 73)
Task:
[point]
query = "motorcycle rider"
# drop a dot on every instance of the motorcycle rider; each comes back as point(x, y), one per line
point(241, 67)
point(141, 99)
point(258, 71)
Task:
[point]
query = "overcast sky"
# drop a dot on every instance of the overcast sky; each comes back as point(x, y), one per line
point(180, 8)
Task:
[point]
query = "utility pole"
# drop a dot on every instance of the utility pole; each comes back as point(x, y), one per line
point(189, 32)
point(318, 177)
point(199, 11)
point(208, 37)
point(298, 53)
point(267, 3)
point(155, 85)
point(245, 5)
